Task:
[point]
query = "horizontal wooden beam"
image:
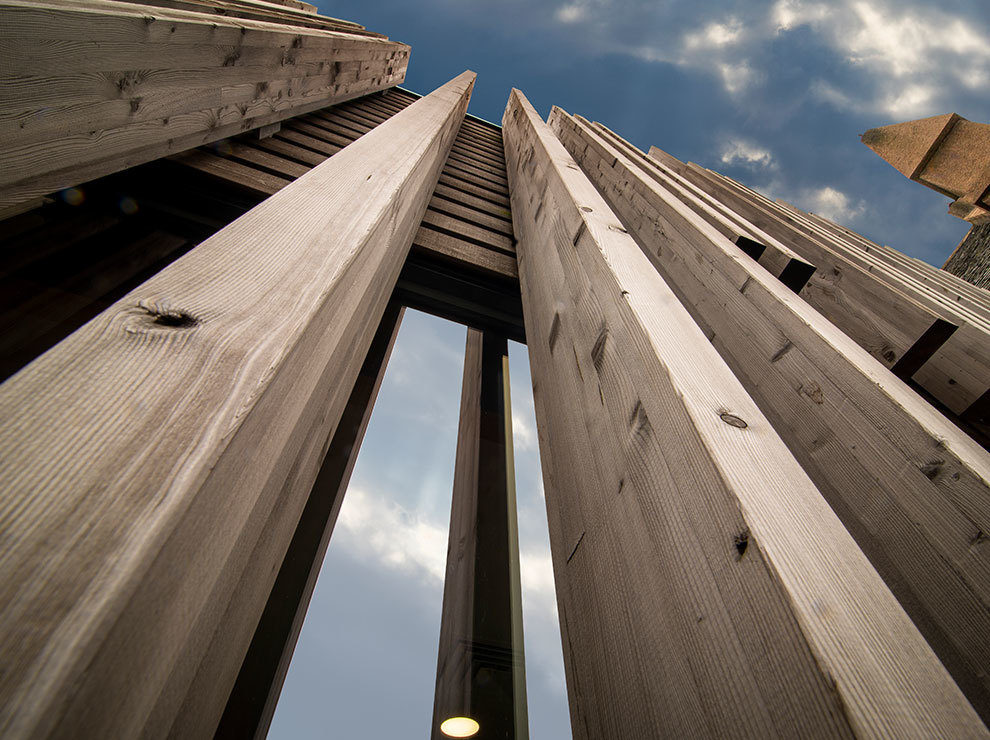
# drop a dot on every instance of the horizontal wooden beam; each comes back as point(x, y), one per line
point(706, 588)
point(912, 488)
point(155, 463)
point(93, 87)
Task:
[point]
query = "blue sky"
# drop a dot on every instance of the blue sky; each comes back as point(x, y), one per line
point(774, 94)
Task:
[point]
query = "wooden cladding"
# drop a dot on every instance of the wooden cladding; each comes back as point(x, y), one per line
point(705, 586)
point(155, 463)
point(906, 326)
point(911, 487)
point(92, 87)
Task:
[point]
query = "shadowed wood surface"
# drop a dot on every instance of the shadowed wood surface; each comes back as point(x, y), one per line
point(93, 87)
point(912, 488)
point(252, 701)
point(480, 663)
point(781, 261)
point(676, 511)
point(887, 319)
point(164, 451)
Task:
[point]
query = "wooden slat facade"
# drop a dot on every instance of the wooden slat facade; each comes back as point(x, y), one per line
point(763, 435)
point(843, 416)
point(232, 383)
point(677, 513)
point(99, 86)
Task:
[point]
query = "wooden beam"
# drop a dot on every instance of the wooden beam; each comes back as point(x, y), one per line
point(954, 370)
point(156, 462)
point(705, 586)
point(885, 321)
point(480, 666)
point(252, 701)
point(75, 109)
point(873, 448)
point(781, 261)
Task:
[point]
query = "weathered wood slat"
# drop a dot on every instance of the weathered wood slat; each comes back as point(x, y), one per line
point(781, 261)
point(263, 12)
point(321, 130)
point(676, 509)
point(955, 372)
point(868, 442)
point(103, 43)
point(251, 705)
point(883, 270)
point(496, 198)
point(946, 283)
point(500, 224)
point(467, 254)
point(481, 179)
point(250, 178)
point(226, 372)
point(260, 158)
point(468, 172)
point(473, 201)
point(468, 231)
point(479, 148)
point(299, 138)
point(288, 150)
point(913, 270)
point(882, 320)
point(479, 164)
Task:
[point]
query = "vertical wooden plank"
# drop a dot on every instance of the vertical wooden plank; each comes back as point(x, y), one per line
point(480, 664)
point(706, 588)
point(910, 486)
point(252, 701)
point(156, 462)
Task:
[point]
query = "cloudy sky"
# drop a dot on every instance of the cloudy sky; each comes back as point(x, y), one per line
point(774, 94)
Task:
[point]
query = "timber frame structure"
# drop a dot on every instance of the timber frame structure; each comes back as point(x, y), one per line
point(763, 436)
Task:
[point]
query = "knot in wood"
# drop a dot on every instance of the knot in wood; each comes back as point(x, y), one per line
point(732, 420)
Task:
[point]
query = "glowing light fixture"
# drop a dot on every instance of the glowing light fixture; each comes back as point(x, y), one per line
point(459, 727)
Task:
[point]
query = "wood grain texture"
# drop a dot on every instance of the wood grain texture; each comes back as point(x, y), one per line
point(94, 86)
point(957, 290)
point(705, 587)
point(874, 449)
point(155, 463)
point(884, 320)
point(960, 368)
point(956, 372)
point(252, 701)
point(781, 261)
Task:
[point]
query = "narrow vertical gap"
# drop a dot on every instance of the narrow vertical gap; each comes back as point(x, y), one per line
point(365, 661)
point(549, 716)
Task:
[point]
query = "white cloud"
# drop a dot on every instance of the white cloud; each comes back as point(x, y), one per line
point(828, 93)
point(909, 102)
point(904, 42)
point(569, 13)
point(715, 35)
point(746, 153)
point(536, 575)
point(736, 77)
point(911, 54)
point(788, 14)
point(833, 204)
point(370, 526)
point(523, 434)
